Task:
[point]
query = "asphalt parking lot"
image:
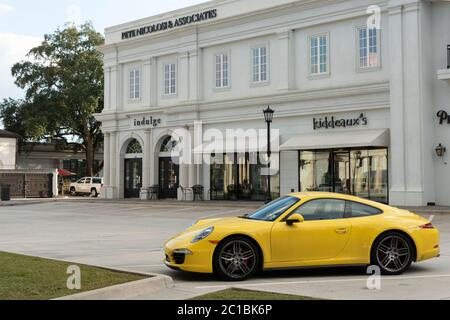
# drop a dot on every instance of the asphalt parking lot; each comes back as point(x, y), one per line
point(130, 235)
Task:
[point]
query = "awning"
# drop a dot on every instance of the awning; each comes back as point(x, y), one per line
point(65, 173)
point(338, 139)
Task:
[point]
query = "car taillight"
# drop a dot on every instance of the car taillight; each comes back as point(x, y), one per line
point(427, 226)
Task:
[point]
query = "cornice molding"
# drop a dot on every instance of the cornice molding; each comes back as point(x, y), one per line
point(197, 107)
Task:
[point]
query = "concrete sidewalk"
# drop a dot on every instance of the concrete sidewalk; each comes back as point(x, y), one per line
point(227, 204)
point(432, 210)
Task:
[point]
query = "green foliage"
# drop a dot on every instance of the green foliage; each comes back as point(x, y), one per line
point(63, 80)
point(31, 278)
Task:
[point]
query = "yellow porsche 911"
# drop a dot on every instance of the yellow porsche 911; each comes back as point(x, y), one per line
point(305, 230)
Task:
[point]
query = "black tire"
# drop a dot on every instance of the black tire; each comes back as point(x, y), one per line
point(94, 193)
point(73, 192)
point(392, 252)
point(236, 267)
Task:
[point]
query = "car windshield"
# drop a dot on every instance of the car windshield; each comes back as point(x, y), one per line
point(272, 210)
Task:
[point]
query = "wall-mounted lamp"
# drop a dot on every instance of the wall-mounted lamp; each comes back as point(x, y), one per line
point(440, 150)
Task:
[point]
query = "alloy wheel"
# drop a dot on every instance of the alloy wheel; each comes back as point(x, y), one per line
point(237, 259)
point(393, 253)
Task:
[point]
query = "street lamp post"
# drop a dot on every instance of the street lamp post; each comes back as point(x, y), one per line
point(268, 116)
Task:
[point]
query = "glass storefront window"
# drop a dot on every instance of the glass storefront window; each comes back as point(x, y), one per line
point(315, 171)
point(361, 172)
point(378, 187)
point(239, 176)
point(359, 167)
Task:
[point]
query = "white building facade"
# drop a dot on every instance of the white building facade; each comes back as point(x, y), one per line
point(360, 89)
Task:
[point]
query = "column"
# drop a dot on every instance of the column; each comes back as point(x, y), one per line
point(192, 166)
point(113, 87)
point(153, 82)
point(183, 77)
point(146, 81)
point(193, 75)
point(146, 165)
point(407, 94)
point(413, 104)
point(286, 65)
point(113, 166)
point(106, 164)
point(107, 93)
point(396, 169)
point(153, 161)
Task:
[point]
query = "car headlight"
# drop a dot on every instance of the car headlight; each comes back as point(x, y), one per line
point(202, 234)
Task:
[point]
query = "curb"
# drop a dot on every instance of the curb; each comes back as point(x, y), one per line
point(158, 203)
point(125, 290)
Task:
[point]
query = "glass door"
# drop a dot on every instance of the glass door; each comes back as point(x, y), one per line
point(133, 177)
point(168, 178)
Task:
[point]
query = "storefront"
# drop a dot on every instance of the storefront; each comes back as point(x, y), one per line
point(356, 108)
point(238, 176)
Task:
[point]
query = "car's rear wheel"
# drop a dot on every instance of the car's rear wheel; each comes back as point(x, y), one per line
point(236, 258)
point(94, 193)
point(73, 192)
point(393, 253)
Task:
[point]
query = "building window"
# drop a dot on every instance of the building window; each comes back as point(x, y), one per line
point(135, 84)
point(260, 63)
point(360, 172)
point(170, 79)
point(368, 48)
point(169, 145)
point(134, 147)
point(222, 70)
point(319, 54)
point(239, 176)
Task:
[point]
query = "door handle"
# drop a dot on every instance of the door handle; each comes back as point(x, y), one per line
point(341, 230)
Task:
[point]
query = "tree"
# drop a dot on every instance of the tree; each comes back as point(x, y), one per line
point(63, 79)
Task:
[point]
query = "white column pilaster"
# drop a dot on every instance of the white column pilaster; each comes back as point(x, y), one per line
point(286, 63)
point(113, 87)
point(113, 186)
point(183, 82)
point(107, 91)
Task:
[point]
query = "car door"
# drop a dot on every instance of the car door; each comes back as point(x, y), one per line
point(79, 185)
point(323, 235)
point(87, 185)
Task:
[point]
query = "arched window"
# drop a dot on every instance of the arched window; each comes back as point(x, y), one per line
point(168, 145)
point(134, 147)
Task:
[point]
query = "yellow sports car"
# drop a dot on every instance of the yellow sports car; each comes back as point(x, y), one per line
point(305, 230)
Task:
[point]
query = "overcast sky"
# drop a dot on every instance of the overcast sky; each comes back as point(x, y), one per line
point(23, 24)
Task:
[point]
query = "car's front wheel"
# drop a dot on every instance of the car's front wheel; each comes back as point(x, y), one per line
point(235, 259)
point(393, 253)
point(73, 192)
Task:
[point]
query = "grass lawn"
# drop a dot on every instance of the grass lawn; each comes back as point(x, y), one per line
point(30, 278)
point(240, 294)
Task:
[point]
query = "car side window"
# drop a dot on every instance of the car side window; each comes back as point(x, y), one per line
point(88, 180)
point(96, 180)
point(82, 180)
point(361, 210)
point(322, 209)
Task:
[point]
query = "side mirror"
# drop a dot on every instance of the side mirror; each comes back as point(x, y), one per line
point(295, 218)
